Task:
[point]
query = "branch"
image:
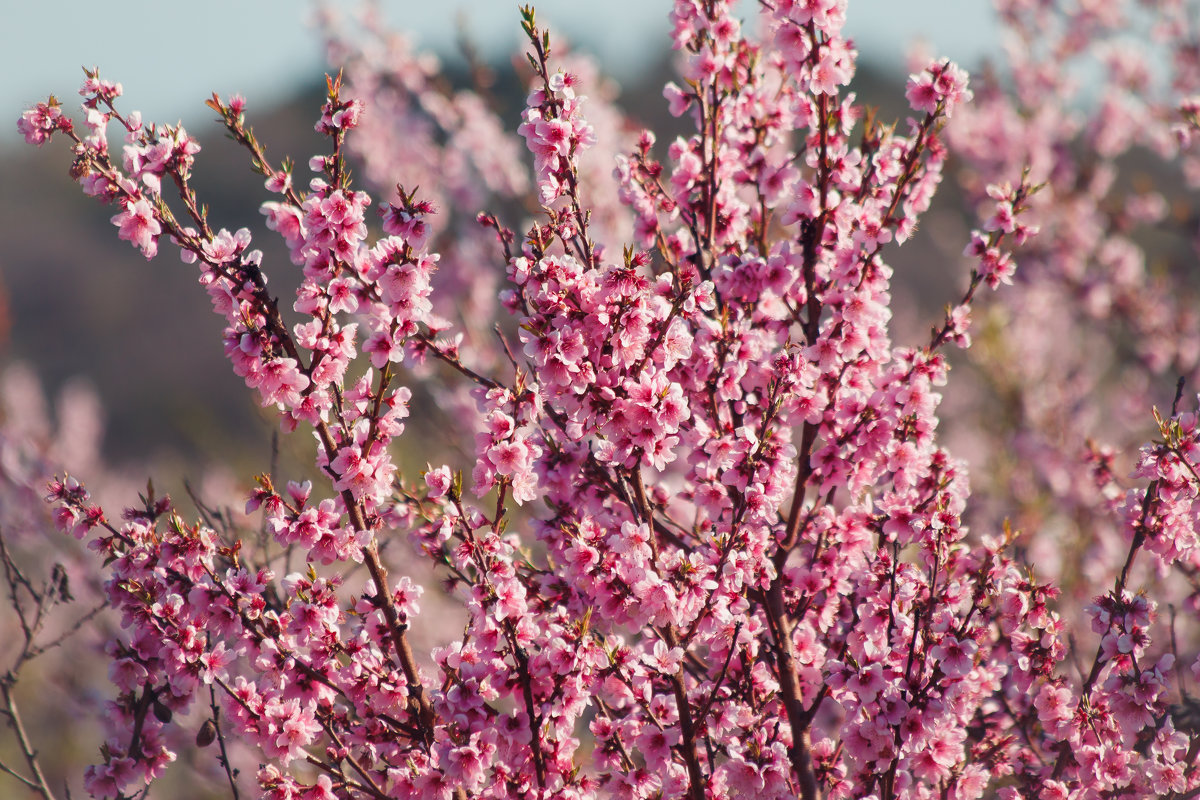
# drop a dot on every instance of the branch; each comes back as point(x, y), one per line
point(38, 782)
point(800, 752)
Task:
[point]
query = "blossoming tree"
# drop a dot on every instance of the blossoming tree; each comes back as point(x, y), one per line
point(707, 542)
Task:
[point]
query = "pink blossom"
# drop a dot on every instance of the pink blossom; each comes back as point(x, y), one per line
point(139, 225)
point(439, 481)
point(39, 123)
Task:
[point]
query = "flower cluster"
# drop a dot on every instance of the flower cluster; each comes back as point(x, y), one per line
point(711, 544)
point(39, 123)
point(555, 130)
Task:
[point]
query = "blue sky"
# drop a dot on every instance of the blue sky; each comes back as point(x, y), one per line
point(171, 55)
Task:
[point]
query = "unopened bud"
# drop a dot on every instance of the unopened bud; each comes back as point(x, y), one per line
point(162, 713)
point(207, 733)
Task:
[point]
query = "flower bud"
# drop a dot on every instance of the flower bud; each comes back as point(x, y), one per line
point(207, 733)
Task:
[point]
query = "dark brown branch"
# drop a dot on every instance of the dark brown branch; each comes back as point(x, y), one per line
point(800, 752)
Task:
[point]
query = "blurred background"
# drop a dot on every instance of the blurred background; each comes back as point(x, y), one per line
point(171, 56)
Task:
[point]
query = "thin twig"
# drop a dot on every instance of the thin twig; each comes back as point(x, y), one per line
point(38, 782)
